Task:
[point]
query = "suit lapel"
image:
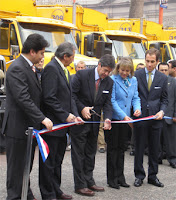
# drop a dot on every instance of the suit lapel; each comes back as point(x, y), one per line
point(61, 71)
point(155, 80)
point(91, 83)
point(32, 75)
point(142, 76)
point(100, 90)
point(119, 80)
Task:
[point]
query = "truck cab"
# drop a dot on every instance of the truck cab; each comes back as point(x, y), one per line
point(14, 32)
point(117, 43)
point(167, 49)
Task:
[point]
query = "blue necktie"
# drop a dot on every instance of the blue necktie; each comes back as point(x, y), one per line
point(126, 82)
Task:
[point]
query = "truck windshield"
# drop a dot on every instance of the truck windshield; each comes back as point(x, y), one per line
point(173, 49)
point(126, 48)
point(53, 34)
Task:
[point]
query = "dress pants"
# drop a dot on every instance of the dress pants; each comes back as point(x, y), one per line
point(116, 144)
point(84, 147)
point(143, 133)
point(16, 158)
point(101, 140)
point(50, 171)
point(169, 133)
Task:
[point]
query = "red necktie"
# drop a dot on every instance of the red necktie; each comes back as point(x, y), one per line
point(97, 84)
point(33, 68)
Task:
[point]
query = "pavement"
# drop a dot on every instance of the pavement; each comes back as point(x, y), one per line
point(166, 175)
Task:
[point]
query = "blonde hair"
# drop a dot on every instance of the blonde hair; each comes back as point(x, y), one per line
point(125, 62)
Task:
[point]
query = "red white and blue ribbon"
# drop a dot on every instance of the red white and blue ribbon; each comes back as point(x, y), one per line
point(43, 147)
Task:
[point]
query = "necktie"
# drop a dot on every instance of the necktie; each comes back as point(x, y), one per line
point(126, 82)
point(97, 84)
point(66, 74)
point(33, 68)
point(149, 80)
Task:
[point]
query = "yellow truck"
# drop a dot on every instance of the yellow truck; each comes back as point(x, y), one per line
point(93, 40)
point(159, 37)
point(14, 30)
point(86, 19)
point(119, 43)
point(166, 48)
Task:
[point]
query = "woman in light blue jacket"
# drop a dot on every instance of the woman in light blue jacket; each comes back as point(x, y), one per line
point(124, 98)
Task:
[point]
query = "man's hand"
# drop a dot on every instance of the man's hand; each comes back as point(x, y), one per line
point(107, 124)
point(70, 118)
point(86, 112)
point(159, 115)
point(126, 118)
point(137, 113)
point(48, 123)
point(79, 119)
point(174, 119)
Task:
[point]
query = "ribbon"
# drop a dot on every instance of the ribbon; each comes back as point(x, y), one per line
point(43, 147)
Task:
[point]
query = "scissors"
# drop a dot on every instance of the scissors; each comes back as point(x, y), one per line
point(95, 113)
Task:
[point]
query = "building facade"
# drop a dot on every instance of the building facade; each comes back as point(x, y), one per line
point(120, 9)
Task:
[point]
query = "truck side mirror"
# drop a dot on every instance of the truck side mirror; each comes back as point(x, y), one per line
point(14, 50)
point(100, 49)
point(90, 45)
point(155, 45)
point(78, 40)
point(103, 48)
point(108, 48)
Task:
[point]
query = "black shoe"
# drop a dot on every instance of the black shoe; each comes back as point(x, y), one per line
point(116, 186)
point(131, 153)
point(138, 182)
point(124, 185)
point(155, 182)
point(173, 165)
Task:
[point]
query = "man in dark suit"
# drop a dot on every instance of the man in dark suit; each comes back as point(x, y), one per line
point(23, 95)
point(152, 87)
point(92, 90)
point(59, 106)
point(169, 125)
point(172, 68)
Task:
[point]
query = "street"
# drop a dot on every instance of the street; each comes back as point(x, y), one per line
point(166, 175)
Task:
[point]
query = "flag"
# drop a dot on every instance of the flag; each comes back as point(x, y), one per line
point(43, 147)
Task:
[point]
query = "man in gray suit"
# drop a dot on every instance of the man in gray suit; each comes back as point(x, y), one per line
point(169, 126)
point(152, 87)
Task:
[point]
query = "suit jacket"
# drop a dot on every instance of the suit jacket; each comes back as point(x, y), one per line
point(23, 95)
point(123, 99)
point(154, 100)
point(171, 109)
point(57, 100)
point(84, 94)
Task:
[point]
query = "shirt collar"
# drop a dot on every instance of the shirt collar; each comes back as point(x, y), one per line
point(153, 72)
point(61, 64)
point(96, 74)
point(29, 62)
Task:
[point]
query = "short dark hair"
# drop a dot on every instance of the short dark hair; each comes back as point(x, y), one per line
point(34, 41)
point(163, 63)
point(65, 48)
point(173, 63)
point(107, 61)
point(153, 51)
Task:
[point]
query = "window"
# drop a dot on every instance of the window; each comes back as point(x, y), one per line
point(4, 30)
point(13, 36)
